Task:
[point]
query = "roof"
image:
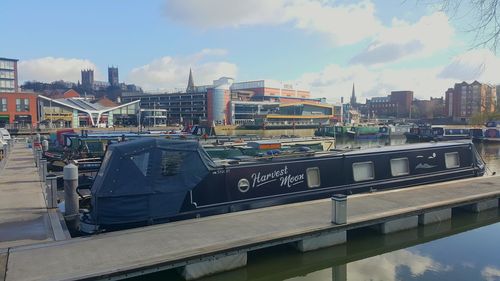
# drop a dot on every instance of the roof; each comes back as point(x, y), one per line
point(83, 105)
point(107, 102)
point(306, 103)
point(1, 58)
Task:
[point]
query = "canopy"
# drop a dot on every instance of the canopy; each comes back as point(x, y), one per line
point(147, 179)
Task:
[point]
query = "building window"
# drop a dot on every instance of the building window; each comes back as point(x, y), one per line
point(399, 167)
point(452, 160)
point(313, 177)
point(22, 105)
point(363, 171)
point(3, 105)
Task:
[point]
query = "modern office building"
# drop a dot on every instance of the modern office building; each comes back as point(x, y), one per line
point(8, 75)
point(465, 100)
point(17, 109)
point(220, 102)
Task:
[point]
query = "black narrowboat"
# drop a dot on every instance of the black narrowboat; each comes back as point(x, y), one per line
point(153, 180)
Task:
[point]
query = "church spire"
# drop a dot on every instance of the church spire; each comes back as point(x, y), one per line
point(190, 86)
point(353, 96)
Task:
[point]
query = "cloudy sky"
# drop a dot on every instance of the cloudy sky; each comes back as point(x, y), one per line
point(324, 46)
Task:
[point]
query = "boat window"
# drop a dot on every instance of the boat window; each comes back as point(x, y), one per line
point(363, 171)
point(313, 177)
point(141, 161)
point(399, 167)
point(452, 160)
point(171, 162)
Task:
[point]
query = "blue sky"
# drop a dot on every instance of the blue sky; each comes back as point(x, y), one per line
point(324, 46)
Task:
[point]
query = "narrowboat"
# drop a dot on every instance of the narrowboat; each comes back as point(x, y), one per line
point(492, 131)
point(364, 132)
point(421, 132)
point(337, 131)
point(399, 129)
point(445, 134)
point(150, 181)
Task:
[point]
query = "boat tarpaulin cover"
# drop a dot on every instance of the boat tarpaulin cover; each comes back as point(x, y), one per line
point(147, 179)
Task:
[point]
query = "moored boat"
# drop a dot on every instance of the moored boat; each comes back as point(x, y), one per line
point(156, 180)
point(445, 134)
point(489, 133)
point(421, 132)
point(492, 131)
point(364, 132)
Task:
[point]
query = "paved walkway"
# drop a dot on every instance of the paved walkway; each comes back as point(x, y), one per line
point(24, 218)
point(172, 244)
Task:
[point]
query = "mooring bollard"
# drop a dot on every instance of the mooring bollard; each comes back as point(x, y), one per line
point(339, 209)
point(51, 191)
point(71, 205)
point(45, 145)
point(43, 170)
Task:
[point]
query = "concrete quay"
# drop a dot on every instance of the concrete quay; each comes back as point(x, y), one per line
point(208, 245)
point(24, 217)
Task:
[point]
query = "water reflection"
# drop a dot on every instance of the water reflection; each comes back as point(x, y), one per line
point(464, 248)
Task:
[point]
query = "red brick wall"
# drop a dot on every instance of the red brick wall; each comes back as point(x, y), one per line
point(11, 106)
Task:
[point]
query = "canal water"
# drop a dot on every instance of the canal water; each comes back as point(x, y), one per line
point(464, 248)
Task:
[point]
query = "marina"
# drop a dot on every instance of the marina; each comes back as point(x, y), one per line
point(198, 246)
point(289, 140)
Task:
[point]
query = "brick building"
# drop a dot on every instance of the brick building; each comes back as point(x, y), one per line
point(17, 109)
point(398, 104)
point(465, 100)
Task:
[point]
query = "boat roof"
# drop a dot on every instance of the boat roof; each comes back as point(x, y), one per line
point(338, 153)
point(411, 146)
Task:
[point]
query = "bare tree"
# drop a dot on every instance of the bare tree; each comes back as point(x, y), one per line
point(482, 14)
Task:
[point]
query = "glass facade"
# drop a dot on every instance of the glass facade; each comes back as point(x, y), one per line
point(7, 64)
point(8, 75)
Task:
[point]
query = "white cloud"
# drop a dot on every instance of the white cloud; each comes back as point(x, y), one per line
point(481, 64)
point(48, 69)
point(385, 267)
point(171, 73)
point(222, 13)
point(405, 40)
point(343, 24)
point(335, 81)
point(490, 273)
